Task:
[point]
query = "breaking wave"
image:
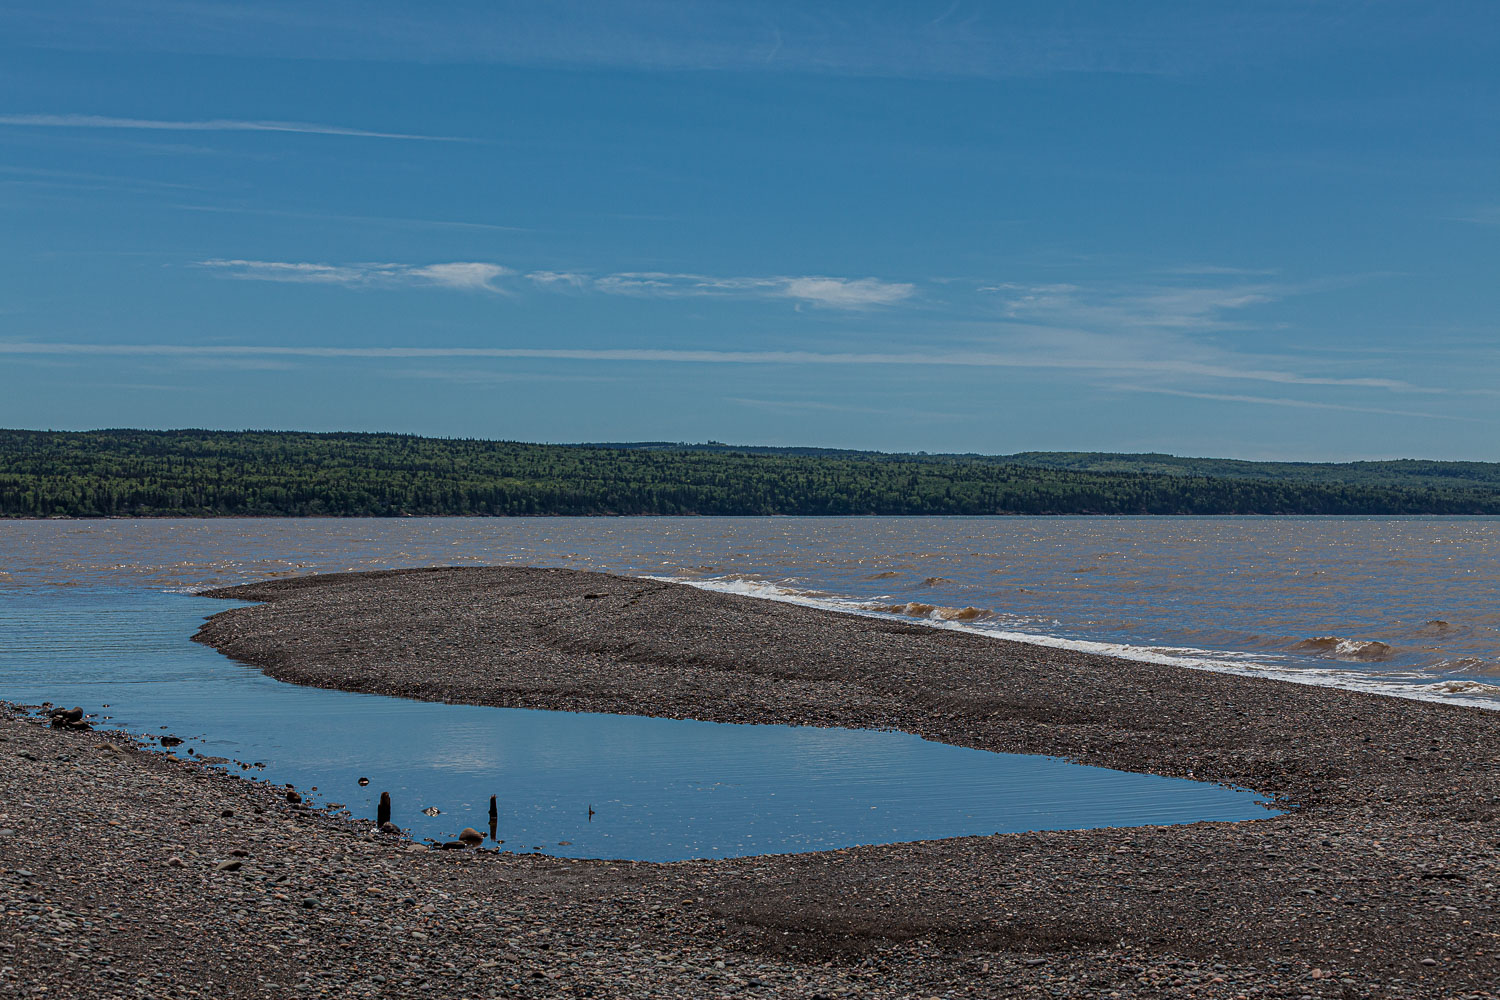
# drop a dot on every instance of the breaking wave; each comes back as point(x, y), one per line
point(916, 609)
point(1468, 687)
point(1465, 665)
point(1414, 684)
point(1354, 650)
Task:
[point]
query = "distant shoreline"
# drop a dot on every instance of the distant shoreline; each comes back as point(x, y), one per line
point(194, 473)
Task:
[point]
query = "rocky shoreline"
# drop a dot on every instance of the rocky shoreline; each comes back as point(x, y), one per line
point(117, 874)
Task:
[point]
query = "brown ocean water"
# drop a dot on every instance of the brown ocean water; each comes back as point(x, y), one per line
point(1407, 606)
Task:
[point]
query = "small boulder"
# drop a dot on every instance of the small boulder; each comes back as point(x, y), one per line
point(471, 836)
point(70, 718)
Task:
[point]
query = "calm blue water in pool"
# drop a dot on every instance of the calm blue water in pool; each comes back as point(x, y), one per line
point(661, 790)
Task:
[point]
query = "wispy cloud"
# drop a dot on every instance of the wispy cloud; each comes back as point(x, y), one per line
point(1484, 215)
point(471, 276)
point(473, 376)
point(846, 294)
point(208, 125)
point(1184, 307)
point(982, 359)
point(462, 275)
point(837, 293)
point(815, 406)
point(1300, 404)
point(560, 279)
point(816, 290)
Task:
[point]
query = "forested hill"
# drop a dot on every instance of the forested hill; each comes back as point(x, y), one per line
point(123, 473)
point(1408, 472)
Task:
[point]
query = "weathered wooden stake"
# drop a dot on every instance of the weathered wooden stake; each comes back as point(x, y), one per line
point(383, 814)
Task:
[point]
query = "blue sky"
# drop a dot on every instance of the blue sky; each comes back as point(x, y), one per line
point(1266, 230)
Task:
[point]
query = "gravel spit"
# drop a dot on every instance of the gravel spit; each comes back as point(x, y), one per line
point(129, 873)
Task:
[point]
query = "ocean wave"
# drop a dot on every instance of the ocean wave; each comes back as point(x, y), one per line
point(916, 609)
point(1465, 665)
point(746, 585)
point(1415, 685)
point(1467, 687)
point(1356, 650)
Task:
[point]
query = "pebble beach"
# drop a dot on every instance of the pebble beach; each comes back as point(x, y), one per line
point(125, 872)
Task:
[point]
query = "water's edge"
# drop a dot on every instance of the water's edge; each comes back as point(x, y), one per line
point(1465, 695)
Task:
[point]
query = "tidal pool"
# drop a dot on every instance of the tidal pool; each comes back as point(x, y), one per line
point(568, 784)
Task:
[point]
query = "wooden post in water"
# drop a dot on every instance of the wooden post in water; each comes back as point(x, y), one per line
point(494, 821)
point(383, 814)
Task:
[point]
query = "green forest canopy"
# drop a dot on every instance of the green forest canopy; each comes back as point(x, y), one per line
point(200, 473)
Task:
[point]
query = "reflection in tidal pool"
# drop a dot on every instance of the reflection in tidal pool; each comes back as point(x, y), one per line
point(567, 784)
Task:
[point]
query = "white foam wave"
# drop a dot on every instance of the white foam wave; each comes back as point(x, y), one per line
point(1338, 648)
point(916, 609)
point(1403, 685)
point(1468, 687)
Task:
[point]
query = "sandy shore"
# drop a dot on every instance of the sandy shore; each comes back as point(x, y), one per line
point(1380, 883)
